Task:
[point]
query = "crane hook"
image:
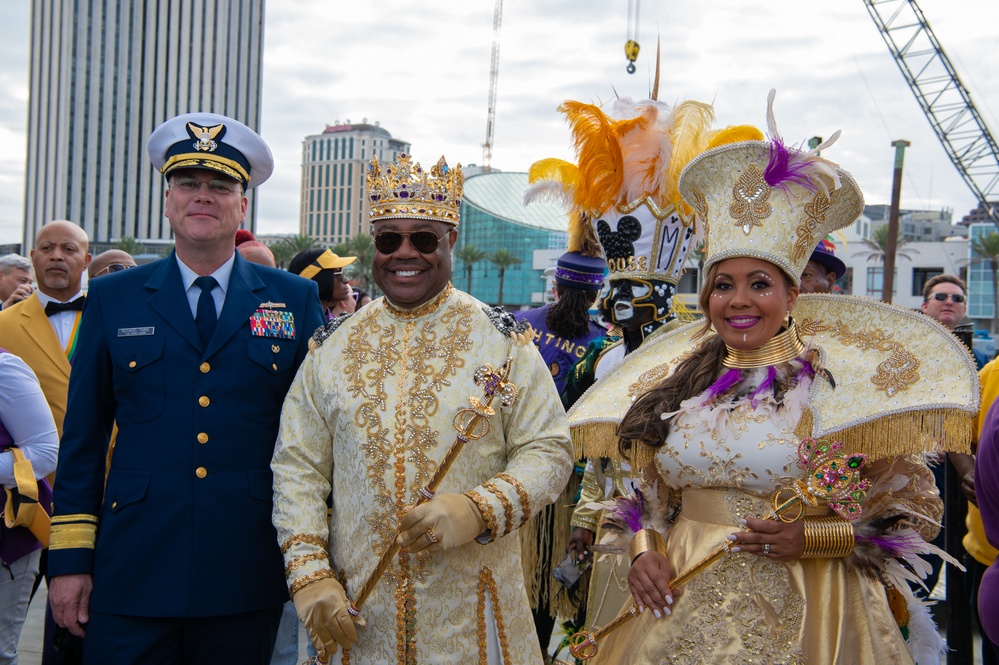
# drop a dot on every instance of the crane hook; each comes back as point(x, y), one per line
point(631, 53)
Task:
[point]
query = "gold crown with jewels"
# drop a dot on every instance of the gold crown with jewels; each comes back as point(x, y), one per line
point(404, 189)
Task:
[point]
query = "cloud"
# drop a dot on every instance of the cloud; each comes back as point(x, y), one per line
point(422, 72)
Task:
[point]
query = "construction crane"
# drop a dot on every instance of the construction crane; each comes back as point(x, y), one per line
point(944, 99)
point(487, 147)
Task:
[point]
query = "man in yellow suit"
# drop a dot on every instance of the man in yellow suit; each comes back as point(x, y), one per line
point(42, 329)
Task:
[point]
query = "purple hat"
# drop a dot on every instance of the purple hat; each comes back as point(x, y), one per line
point(580, 272)
point(825, 253)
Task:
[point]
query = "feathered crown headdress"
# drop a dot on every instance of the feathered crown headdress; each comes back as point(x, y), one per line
point(626, 159)
point(766, 200)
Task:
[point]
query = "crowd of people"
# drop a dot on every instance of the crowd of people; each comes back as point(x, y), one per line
point(204, 453)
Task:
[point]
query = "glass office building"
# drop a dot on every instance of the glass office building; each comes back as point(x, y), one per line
point(494, 217)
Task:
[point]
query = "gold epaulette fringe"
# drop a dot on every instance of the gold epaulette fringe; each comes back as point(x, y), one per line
point(911, 432)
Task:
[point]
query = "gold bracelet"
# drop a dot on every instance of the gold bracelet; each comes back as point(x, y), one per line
point(645, 540)
point(828, 538)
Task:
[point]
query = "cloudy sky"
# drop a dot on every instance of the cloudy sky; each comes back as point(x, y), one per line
point(422, 71)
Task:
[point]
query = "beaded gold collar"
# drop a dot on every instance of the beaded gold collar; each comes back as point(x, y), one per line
point(426, 308)
point(781, 348)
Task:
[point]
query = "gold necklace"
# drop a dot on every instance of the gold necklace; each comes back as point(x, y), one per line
point(423, 309)
point(781, 348)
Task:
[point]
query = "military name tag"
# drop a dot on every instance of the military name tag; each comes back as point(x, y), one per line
point(136, 332)
point(272, 323)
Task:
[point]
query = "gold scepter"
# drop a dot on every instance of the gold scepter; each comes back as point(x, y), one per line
point(831, 475)
point(471, 423)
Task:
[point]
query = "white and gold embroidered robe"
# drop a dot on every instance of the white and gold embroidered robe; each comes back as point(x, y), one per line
point(369, 418)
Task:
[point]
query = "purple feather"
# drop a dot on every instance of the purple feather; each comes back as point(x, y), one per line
point(806, 370)
point(765, 385)
point(627, 511)
point(898, 544)
point(784, 167)
point(724, 382)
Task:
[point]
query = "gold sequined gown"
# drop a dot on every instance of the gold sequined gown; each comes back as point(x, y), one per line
point(369, 417)
point(746, 608)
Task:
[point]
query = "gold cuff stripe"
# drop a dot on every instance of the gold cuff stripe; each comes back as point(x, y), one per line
point(73, 536)
point(525, 499)
point(68, 519)
point(504, 501)
point(487, 513)
point(303, 539)
point(324, 574)
point(300, 561)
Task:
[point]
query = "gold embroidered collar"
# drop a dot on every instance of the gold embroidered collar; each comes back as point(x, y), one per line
point(428, 307)
point(783, 347)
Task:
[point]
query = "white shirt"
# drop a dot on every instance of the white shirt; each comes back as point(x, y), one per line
point(28, 419)
point(62, 322)
point(218, 293)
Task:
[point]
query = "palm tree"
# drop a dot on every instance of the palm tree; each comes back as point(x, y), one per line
point(285, 250)
point(129, 245)
point(502, 259)
point(283, 253)
point(469, 255)
point(986, 249)
point(878, 243)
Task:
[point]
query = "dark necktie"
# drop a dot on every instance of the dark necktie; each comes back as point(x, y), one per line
point(206, 317)
point(53, 307)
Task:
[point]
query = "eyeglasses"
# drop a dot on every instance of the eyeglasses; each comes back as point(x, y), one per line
point(193, 186)
point(340, 275)
point(112, 267)
point(425, 242)
point(954, 297)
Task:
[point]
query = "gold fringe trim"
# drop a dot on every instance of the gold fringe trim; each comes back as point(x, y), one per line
point(600, 440)
point(911, 432)
point(542, 544)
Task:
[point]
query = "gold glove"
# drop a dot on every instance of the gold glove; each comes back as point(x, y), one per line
point(322, 607)
point(446, 521)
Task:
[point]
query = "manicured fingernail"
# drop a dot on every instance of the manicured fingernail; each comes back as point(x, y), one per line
point(669, 600)
point(641, 609)
point(658, 615)
point(735, 549)
point(743, 522)
point(666, 610)
point(732, 536)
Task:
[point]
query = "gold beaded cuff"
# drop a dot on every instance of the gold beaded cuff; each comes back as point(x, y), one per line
point(645, 540)
point(828, 538)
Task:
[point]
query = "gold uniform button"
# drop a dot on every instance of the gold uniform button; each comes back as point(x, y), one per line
point(205, 368)
point(202, 438)
point(274, 366)
point(204, 401)
point(201, 472)
point(131, 364)
point(114, 505)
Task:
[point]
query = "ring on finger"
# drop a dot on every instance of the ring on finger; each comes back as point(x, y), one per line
point(431, 536)
point(766, 549)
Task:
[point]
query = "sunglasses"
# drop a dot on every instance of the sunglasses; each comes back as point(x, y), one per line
point(112, 267)
point(954, 297)
point(425, 242)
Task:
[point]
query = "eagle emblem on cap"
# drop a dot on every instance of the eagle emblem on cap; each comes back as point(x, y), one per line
point(205, 136)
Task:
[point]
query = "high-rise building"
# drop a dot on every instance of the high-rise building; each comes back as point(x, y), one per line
point(334, 208)
point(103, 75)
